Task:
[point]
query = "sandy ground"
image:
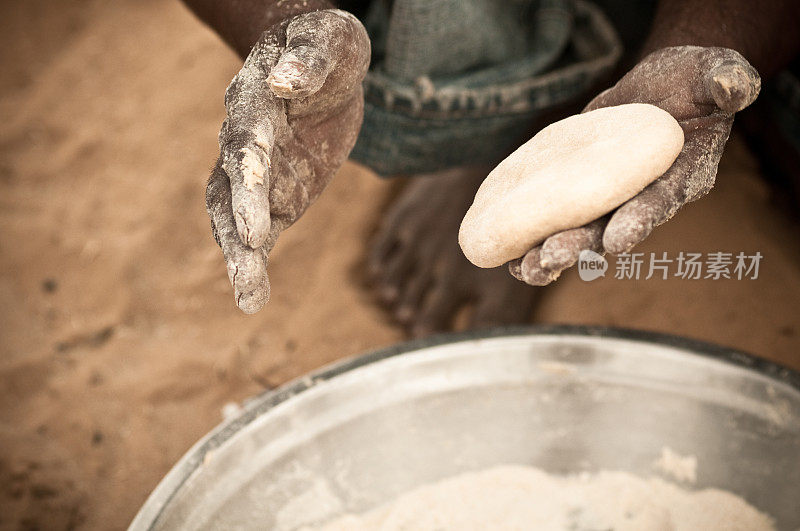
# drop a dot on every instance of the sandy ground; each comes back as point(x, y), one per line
point(119, 340)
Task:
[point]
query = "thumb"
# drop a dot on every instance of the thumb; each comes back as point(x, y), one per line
point(734, 84)
point(301, 71)
point(315, 43)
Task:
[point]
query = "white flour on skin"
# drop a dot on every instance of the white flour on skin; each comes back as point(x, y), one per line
point(524, 498)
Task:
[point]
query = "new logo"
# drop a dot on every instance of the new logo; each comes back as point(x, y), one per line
point(591, 265)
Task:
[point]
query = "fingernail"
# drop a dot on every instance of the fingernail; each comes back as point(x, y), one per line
point(285, 76)
point(279, 82)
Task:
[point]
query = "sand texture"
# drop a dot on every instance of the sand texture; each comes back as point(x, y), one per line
point(119, 339)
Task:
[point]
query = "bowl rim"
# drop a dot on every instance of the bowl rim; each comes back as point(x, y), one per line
point(258, 405)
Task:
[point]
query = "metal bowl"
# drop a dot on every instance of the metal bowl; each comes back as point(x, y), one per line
point(565, 399)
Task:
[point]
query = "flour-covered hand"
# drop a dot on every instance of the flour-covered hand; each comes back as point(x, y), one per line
point(293, 115)
point(702, 88)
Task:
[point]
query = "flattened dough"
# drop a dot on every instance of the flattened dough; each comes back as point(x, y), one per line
point(570, 173)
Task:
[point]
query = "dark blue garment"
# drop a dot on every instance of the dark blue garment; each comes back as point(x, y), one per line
point(459, 82)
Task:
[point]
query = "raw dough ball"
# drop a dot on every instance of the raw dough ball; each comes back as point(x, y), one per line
point(570, 173)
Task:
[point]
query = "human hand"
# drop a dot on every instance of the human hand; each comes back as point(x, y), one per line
point(701, 88)
point(293, 114)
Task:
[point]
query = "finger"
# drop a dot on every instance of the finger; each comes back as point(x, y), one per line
point(247, 267)
point(315, 44)
point(690, 177)
point(529, 269)
point(562, 249)
point(719, 76)
point(246, 161)
point(246, 140)
point(300, 72)
point(734, 84)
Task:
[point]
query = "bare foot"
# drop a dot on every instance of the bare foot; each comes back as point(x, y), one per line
point(419, 272)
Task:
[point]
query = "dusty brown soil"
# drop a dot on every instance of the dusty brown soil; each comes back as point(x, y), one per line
point(119, 340)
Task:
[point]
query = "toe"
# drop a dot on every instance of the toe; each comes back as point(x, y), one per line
point(437, 310)
point(394, 274)
point(390, 235)
point(408, 306)
point(503, 301)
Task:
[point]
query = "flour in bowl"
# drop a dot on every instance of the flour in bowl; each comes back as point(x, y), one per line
point(524, 498)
